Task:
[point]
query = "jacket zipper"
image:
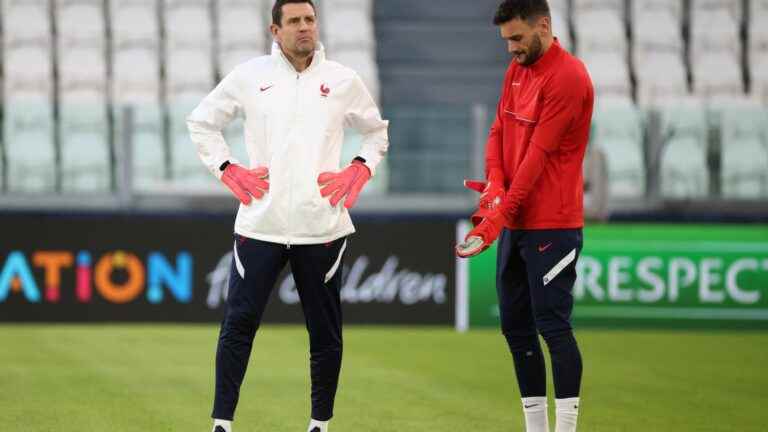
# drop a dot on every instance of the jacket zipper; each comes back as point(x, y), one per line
point(290, 193)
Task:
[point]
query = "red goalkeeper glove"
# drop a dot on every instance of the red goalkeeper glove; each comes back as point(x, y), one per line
point(245, 183)
point(345, 183)
point(492, 194)
point(483, 235)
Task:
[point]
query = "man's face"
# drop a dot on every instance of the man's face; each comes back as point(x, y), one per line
point(524, 39)
point(297, 33)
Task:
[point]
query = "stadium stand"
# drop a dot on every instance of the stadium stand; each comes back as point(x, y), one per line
point(189, 68)
point(86, 80)
point(684, 172)
point(744, 144)
point(560, 11)
point(82, 72)
point(618, 132)
point(136, 85)
point(715, 48)
point(601, 38)
point(242, 32)
point(28, 121)
point(757, 50)
point(658, 51)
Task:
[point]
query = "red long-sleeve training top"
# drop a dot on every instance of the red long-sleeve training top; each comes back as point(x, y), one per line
point(538, 140)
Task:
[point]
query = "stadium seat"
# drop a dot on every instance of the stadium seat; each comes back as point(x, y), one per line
point(657, 25)
point(759, 71)
point(660, 77)
point(717, 74)
point(135, 75)
point(84, 134)
point(618, 133)
point(684, 170)
point(348, 25)
point(134, 23)
point(610, 75)
point(28, 68)
point(242, 32)
point(561, 30)
point(715, 26)
point(28, 129)
point(744, 153)
point(672, 8)
point(26, 22)
point(189, 70)
point(188, 60)
point(599, 26)
point(190, 21)
point(80, 22)
point(82, 67)
point(145, 136)
point(188, 174)
point(438, 138)
point(758, 32)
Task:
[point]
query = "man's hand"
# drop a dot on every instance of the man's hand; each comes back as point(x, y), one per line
point(483, 235)
point(492, 193)
point(345, 183)
point(245, 183)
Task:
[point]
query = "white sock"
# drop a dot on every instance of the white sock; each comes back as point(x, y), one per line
point(323, 425)
point(226, 424)
point(535, 410)
point(567, 414)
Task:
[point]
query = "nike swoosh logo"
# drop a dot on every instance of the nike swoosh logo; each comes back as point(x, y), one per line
point(515, 84)
point(263, 89)
point(545, 247)
point(531, 406)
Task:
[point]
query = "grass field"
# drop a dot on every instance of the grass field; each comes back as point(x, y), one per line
point(160, 378)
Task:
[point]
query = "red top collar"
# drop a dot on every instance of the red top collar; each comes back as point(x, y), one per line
point(549, 58)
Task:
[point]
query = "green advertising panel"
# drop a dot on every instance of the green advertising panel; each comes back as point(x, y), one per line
point(647, 273)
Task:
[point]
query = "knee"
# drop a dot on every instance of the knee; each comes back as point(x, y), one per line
point(238, 324)
point(558, 339)
point(519, 341)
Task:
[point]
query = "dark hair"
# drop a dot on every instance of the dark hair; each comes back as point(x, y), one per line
point(528, 10)
point(277, 9)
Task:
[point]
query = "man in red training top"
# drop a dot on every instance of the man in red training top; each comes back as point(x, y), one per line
point(533, 200)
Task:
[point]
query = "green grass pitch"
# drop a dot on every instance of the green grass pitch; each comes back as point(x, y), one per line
point(156, 378)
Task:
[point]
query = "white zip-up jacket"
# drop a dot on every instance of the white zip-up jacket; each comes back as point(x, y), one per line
point(294, 125)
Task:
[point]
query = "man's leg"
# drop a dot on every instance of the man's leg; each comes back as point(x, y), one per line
point(519, 329)
point(550, 258)
point(317, 270)
point(255, 268)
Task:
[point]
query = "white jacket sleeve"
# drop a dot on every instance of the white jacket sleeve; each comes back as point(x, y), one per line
point(207, 121)
point(364, 116)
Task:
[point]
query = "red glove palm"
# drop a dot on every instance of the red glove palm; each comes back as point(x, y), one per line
point(245, 183)
point(483, 235)
point(345, 183)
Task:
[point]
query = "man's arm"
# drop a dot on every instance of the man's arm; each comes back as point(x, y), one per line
point(561, 104)
point(207, 121)
point(364, 116)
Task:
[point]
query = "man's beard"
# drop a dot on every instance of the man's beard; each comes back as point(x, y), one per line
point(306, 49)
point(534, 51)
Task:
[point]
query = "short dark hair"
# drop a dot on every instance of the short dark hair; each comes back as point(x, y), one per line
point(527, 10)
point(277, 9)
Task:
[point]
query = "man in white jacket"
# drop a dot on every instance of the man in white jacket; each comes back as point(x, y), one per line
point(294, 195)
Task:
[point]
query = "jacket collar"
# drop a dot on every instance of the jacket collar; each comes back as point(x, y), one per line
point(549, 58)
point(279, 56)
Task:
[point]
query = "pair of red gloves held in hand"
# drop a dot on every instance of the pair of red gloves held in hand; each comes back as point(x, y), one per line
point(490, 217)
